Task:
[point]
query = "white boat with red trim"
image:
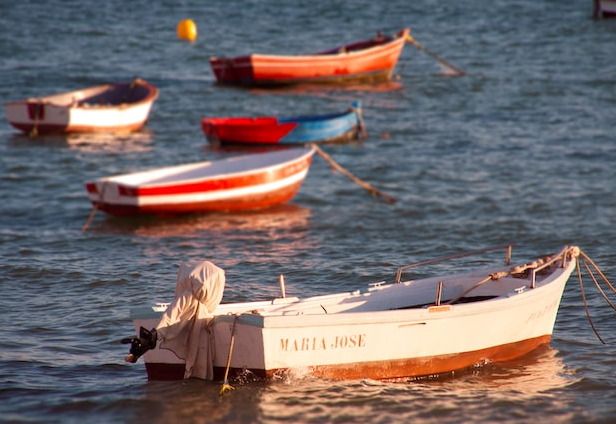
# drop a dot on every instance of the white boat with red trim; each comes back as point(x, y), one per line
point(116, 107)
point(405, 329)
point(253, 181)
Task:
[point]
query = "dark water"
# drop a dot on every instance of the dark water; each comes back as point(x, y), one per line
point(521, 149)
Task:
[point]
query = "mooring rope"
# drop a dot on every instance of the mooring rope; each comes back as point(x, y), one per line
point(226, 387)
point(594, 279)
point(356, 180)
point(414, 42)
point(592, 325)
point(95, 207)
point(586, 257)
point(492, 277)
point(362, 126)
point(37, 112)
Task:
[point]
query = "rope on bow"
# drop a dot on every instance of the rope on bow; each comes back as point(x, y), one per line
point(586, 261)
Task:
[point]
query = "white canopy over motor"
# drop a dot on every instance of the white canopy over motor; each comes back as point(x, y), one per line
point(183, 327)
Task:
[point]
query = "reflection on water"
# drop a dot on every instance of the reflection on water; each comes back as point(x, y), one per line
point(245, 149)
point(522, 388)
point(129, 142)
point(196, 401)
point(285, 217)
point(520, 385)
point(538, 372)
point(270, 241)
point(324, 89)
point(319, 89)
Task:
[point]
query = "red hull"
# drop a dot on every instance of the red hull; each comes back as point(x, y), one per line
point(366, 61)
point(266, 130)
point(386, 370)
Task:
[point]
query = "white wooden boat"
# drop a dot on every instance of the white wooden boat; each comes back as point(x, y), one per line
point(117, 107)
point(406, 329)
point(254, 181)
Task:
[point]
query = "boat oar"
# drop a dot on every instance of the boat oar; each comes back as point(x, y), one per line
point(434, 55)
point(356, 180)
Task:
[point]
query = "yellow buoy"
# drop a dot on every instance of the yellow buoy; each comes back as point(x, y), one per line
point(187, 30)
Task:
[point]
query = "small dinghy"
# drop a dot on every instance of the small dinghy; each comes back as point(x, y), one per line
point(117, 107)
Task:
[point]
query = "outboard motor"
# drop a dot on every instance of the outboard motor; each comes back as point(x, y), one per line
point(139, 346)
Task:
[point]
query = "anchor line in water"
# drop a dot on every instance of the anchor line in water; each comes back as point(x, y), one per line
point(586, 261)
point(610, 285)
point(95, 207)
point(594, 279)
point(592, 325)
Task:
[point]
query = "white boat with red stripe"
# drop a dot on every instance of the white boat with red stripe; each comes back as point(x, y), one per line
point(253, 181)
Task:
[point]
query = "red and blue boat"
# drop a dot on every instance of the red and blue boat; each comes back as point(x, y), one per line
point(365, 61)
point(328, 128)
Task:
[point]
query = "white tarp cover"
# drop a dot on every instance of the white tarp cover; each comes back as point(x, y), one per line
point(183, 327)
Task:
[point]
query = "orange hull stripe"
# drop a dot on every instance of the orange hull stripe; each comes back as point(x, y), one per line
point(380, 370)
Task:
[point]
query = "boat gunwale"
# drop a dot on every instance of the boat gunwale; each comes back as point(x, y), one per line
point(92, 91)
point(419, 314)
point(330, 54)
point(117, 179)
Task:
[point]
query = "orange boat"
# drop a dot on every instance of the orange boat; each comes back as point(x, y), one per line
point(371, 60)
